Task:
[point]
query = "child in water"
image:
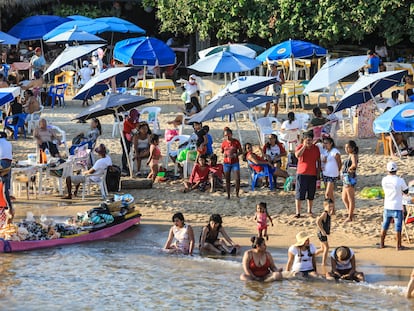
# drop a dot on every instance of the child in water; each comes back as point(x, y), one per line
point(261, 218)
point(324, 226)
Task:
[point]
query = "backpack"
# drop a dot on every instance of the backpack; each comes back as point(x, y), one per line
point(113, 178)
point(289, 184)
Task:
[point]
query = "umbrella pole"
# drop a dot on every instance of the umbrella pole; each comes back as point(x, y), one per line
point(124, 145)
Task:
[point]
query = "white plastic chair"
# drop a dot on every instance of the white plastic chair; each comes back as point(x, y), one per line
point(173, 148)
point(152, 117)
point(328, 93)
point(101, 183)
point(265, 126)
point(33, 120)
point(303, 119)
point(67, 168)
point(62, 135)
point(290, 139)
point(204, 92)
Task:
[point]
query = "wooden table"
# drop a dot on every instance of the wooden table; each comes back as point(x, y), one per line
point(157, 85)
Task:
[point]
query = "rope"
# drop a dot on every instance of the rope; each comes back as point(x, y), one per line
point(6, 246)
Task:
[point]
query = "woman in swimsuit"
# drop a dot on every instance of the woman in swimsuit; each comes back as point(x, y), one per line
point(154, 156)
point(209, 241)
point(258, 264)
point(141, 142)
point(182, 234)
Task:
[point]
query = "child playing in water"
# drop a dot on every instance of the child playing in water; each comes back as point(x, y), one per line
point(216, 173)
point(261, 218)
point(324, 225)
point(154, 156)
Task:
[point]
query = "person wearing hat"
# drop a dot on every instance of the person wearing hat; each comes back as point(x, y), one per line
point(394, 187)
point(6, 157)
point(274, 89)
point(97, 170)
point(190, 96)
point(301, 257)
point(85, 73)
point(344, 265)
point(37, 62)
point(131, 124)
point(97, 63)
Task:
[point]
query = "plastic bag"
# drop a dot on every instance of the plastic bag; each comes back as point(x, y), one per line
point(372, 193)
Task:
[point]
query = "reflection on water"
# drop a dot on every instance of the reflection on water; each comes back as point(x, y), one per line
point(130, 272)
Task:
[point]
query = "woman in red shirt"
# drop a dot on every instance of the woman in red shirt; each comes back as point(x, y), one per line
point(199, 175)
point(130, 128)
point(231, 149)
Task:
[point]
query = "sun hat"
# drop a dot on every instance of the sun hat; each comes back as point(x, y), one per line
point(301, 238)
point(101, 149)
point(392, 166)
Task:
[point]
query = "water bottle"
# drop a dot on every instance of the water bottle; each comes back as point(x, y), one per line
point(47, 153)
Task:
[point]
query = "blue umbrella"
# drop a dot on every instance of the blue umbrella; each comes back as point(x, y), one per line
point(120, 25)
point(35, 27)
point(90, 26)
point(225, 62)
point(292, 49)
point(98, 85)
point(144, 51)
point(399, 118)
point(8, 39)
point(367, 87)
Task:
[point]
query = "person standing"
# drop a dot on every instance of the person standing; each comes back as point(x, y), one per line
point(394, 187)
point(6, 157)
point(231, 149)
point(331, 166)
point(274, 89)
point(37, 62)
point(130, 128)
point(308, 169)
point(373, 62)
point(349, 178)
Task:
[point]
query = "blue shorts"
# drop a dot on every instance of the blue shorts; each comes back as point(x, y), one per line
point(231, 167)
point(398, 219)
point(305, 184)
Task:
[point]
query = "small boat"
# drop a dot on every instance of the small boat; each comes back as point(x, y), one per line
point(121, 224)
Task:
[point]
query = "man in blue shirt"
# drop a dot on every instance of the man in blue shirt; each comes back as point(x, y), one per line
point(373, 62)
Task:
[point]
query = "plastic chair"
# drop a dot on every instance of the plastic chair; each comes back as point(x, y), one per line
point(67, 170)
point(115, 126)
point(57, 91)
point(33, 120)
point(20, 124)
point(265, 126)
point(62, 135)
point(101, 183)
point(385, 144)
point(152, 118)
point(66, 77)
point(303, 119)
point(263, 173)
point(328, 93)
point(290, 138)
point(173, 148)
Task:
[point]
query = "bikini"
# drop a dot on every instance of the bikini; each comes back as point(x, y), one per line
point(259, 271)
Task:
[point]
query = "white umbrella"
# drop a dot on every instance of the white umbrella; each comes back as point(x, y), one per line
point(71, 53)
point(334, 70)
point(234, 48)
point(75, 35)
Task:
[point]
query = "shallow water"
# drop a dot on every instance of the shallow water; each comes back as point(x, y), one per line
point(130, 272)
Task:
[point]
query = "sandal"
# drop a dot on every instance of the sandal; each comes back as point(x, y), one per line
point(297, 216)
point(402, 248)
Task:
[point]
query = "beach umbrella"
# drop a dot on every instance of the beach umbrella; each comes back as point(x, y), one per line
point(367, 87)
point(75, 35)
point(334, 70)
point(144, 51)
point(7, 94)
point(234, 48)
point(35, 27)
point(8, 39)
point(91, 26)
point(225, 62)
point(99, 83)
point(292, 49)
point(229, 104)
point(114, 104)
point(246, 84)
point(117, 24)
point(399, 118)
point(71, 53)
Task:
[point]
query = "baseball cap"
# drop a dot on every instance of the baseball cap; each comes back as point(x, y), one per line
point(38, 50)
point(193, 76)
point(85, 63)
point(392, 166)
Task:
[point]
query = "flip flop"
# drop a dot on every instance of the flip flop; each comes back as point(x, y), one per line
point(402, 248)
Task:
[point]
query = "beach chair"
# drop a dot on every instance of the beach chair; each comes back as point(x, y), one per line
point(101, 183)
point(254, 176)
point(152, 117)
point(33, 120)
point(266, 127)
point(20, 124)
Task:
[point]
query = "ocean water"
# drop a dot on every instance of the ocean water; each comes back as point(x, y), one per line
point(130, 272)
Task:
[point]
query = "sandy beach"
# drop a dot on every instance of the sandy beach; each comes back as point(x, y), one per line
point(159, 203)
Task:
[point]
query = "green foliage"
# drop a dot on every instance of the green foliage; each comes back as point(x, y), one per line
point(85, 9)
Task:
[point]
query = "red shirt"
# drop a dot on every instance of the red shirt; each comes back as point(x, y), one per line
point(217, 170)
point(199, 174)
point(229, 148)
point(307, 163)
point(128, 126)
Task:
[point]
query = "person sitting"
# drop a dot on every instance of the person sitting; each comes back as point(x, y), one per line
point(199, 175)
point(3, 81)
point(291, 124)
point(36, 85)
point(258, 263)
point(97, 169)
point(408, 88)
point(46, 138)
point(15, 108)
point(344, 266)
point(209, 241)
point(332, 121)
point(274, 151)
point(256, 162)
point(90, 137)
point(316, 123)
point(216, 174)
point(301, 257)
point(393, 101)
point(182, 235)
point(141, 143)
point(399, 139)
point(410, 94)
point(30, 103)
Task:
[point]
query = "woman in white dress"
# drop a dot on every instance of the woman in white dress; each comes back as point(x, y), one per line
point(181, 237)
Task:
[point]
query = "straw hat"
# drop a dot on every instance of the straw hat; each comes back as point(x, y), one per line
point(301, 238)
